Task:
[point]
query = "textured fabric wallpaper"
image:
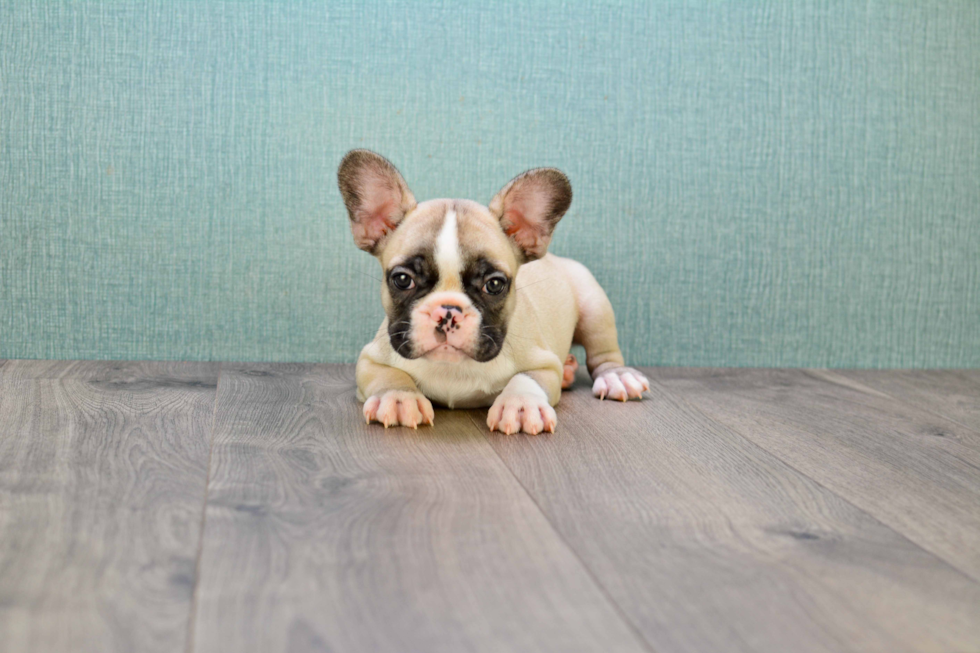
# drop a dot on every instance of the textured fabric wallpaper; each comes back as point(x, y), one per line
point(756, 183)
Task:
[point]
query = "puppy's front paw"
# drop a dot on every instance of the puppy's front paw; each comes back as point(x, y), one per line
point(621, 383)
point(399, 407)
point(515, 413)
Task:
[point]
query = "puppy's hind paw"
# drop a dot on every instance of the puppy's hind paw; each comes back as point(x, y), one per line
point(622, 383)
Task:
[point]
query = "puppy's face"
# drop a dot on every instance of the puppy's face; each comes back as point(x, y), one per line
point(449, 282)
point(449, 265)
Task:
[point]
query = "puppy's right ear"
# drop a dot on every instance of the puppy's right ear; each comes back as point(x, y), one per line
point(376, 196)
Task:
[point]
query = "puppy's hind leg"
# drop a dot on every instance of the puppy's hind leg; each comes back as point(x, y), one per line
point(596, 331)
point(568, 372)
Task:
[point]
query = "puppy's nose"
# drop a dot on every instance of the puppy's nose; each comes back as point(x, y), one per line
point(447, 316)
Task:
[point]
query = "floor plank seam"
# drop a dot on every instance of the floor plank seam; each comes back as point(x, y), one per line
point(192, 617)
point(831, 377)
point(595, 581)
point(842, 498)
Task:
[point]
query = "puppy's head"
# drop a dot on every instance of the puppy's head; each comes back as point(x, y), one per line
point(449, 265)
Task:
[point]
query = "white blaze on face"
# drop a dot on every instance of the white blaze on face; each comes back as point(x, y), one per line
point(443, 338)
point(447, 248)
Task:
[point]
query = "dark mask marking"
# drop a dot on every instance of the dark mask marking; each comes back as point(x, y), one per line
point(425, 274)
point(493, 327)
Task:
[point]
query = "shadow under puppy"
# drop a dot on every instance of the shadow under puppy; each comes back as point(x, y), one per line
point(478, 313)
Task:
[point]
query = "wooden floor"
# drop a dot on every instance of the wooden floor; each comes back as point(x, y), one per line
point(239, 507)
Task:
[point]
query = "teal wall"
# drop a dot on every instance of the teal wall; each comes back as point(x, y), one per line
point(756, 183)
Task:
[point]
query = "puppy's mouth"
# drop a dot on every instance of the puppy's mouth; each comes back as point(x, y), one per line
point(446, 352)
point(443, 343)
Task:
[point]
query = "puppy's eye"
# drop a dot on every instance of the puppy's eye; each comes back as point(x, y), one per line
point(495, 285)
point(402, 281)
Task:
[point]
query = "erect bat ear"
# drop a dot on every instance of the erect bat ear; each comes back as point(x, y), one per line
point(376, 196)
point(530, 206)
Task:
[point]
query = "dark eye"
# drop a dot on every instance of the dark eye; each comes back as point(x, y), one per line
point(495, 285)
point(402, 281)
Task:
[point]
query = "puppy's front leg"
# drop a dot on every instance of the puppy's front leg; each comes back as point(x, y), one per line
point(525, 404)
point(391, 396)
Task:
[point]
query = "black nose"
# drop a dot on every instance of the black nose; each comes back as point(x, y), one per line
point(449, 319)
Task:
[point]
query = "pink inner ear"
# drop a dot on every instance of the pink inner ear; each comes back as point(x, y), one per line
point(528, 235)
point(379, 210)
point(373, 222)
point(514, 222)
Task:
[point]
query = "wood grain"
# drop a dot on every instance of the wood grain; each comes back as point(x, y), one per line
point(325, 534)
point(953, 394)
point(709, 543)
point(102, 476)
point(734, 510)
point(913, 470)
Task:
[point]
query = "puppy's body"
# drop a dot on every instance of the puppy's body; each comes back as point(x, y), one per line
point(540, 336)
point(477, 312)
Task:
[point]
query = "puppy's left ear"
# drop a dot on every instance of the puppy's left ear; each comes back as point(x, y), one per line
point(376, 196)
point(530, 206)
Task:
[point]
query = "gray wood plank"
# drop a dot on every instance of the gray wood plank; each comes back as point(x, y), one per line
point(953, 394)
point(915, 471)
point(103, 470)
point(325, 534)
point(709, 543)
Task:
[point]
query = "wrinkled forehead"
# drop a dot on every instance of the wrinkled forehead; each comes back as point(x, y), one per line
point(450, 233)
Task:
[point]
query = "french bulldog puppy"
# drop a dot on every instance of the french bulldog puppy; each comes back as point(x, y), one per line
point(478, 313)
